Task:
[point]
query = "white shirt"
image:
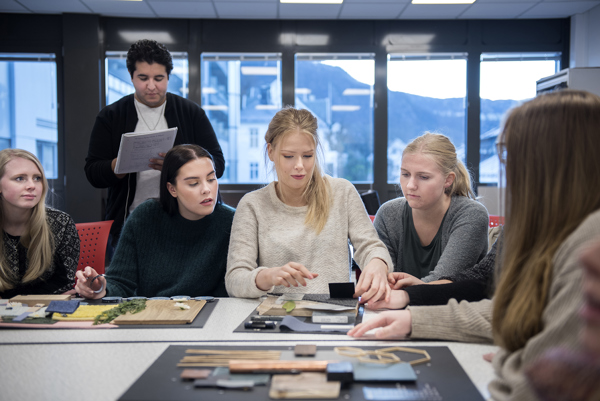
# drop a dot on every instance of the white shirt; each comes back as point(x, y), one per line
point(148, 182)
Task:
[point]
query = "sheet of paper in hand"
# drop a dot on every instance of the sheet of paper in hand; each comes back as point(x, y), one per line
point(137, 148)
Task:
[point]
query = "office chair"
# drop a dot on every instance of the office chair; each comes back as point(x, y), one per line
point(93, 238)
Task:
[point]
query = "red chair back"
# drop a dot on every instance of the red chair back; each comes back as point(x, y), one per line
point(496, 221)
point(93, 238)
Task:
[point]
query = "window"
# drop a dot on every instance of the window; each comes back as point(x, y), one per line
point(338, 90)
point(253, 171)
point(118, 80)
point(254, 137)
point(241, 93)
point(426, 93)
point(47, 153)
point(506, 80)
point(28, 106)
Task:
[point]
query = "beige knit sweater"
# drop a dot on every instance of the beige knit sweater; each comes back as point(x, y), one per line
point(471, 322)
point(268, 233)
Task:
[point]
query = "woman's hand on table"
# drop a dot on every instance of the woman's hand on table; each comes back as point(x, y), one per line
point(86, 288)
point(392, 324)
point(399, 280)
point(398, 300)
point(372, 284)
point(291, 274)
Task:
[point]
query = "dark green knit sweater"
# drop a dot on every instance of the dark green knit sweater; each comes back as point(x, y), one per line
point(162, 255)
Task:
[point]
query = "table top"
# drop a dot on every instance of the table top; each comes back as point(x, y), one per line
point(101, 364)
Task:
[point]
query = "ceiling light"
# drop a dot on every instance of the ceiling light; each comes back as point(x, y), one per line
point(302, 91)
point(313, 1)
point(266, 107)
point(443, 1)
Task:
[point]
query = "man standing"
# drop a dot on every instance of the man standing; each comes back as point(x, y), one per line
point(150, 108)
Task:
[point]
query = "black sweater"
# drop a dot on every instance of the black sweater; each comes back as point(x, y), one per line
point(121, 117)
point(471, 285)
point(162, 255)
point(60, 277)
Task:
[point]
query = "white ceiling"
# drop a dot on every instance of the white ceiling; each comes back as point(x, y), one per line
point(272, 9)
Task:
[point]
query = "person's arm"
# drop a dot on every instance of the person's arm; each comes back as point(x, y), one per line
point(428, 294)
point(242, 267)
point(99, 167)
point(387, 224)
point(124, 270)
point(369, 251)
point(590, 260)
point(464, 321)
point(483, 271)
point(466, 244)
point(66, 256)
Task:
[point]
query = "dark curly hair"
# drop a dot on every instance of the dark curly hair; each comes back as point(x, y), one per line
point(151, 52)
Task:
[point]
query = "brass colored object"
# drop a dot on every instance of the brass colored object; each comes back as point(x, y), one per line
point(249, 366)
point(208, 358)
point(382, 355)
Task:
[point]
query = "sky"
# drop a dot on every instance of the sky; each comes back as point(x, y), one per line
point(444, 79)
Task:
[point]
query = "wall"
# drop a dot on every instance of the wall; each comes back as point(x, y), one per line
point(585, 39)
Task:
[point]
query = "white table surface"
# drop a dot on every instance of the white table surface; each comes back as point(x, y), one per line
point(90, 364)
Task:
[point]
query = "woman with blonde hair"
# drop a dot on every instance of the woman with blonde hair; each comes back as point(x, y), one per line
point(437, 229)
point(553, 212)
point(39, 246)
point(292, 235)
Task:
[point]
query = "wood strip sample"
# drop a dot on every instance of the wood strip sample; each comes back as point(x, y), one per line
point(32, 300)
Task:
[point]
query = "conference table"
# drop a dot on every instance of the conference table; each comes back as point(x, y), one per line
point(101, 364)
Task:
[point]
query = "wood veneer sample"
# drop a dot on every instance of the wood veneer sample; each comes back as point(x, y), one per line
point(162, 312)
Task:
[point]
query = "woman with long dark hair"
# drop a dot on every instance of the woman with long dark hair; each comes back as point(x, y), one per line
point(550, 146)
point(174, 246)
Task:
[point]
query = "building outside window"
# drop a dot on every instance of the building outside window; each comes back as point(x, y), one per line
point(240, 94)
point(118, 79)
point(254, 137)
point(426, 93)
point(506, 80)
point(338, 89)
point(48, 155)
point(28, 107)
point(253, 171)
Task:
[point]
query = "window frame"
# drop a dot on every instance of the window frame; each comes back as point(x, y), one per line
point(57, 186)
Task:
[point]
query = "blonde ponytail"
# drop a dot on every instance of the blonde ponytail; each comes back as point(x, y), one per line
point(318, 191)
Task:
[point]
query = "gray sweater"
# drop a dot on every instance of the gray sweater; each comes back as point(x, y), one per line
point(471, 322)
point(464, 235)
point(268, 233)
